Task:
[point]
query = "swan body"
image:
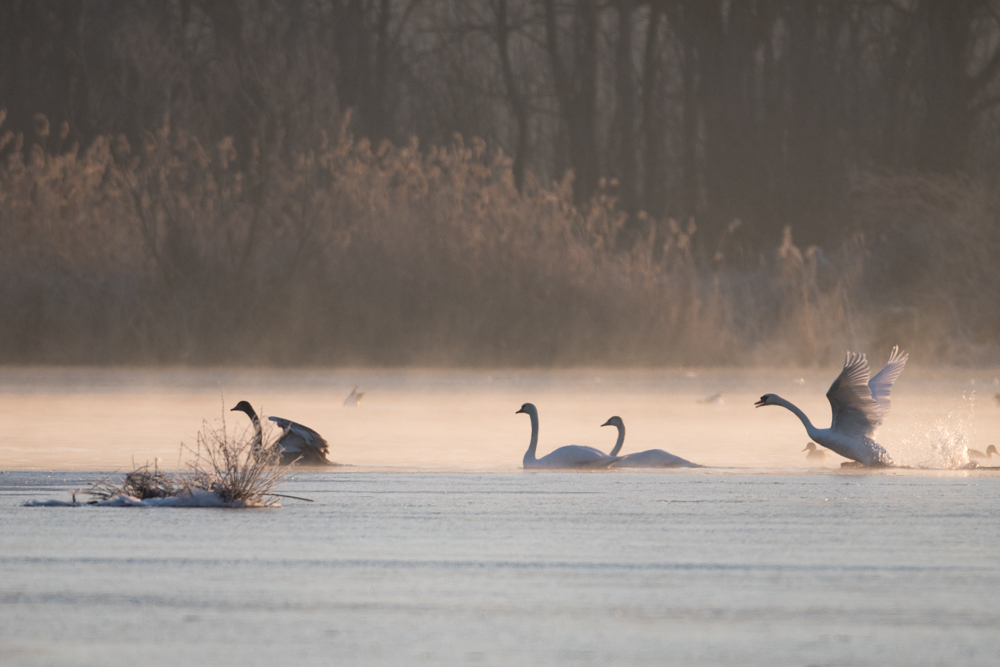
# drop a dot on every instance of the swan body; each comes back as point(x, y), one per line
point(990, 451)
point(354, 398)
point(651, 458)
point(297, 444)
point(814, 453)
point(859, 406)
point(570, 456)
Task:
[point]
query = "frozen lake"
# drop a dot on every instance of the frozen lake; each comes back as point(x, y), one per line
point(433, 548)
point(680, 568)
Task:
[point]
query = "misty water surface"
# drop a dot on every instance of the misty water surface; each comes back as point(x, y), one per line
point(91, 419)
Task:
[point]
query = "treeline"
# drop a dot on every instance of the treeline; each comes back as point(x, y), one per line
point(496, 181)
point(761, 110)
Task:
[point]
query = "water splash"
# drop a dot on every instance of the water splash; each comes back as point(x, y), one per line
point(941, 443)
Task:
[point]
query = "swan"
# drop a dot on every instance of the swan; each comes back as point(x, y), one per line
point(990, 451)
point(651, 458)
point(297, 444)
point(354, 398)
point(818, 454)
point(570, 456)
point(859, 405)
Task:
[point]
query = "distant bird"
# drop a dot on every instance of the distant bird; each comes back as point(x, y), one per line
point(354, 398)
point(990, 451)
point(817, 454)
point(570, 456)
point(297, 444)
point(714, 398)
point(859, 407)
point(651, 458)
point(996, 397)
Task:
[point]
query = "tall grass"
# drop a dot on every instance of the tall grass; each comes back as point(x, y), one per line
point(350, 253)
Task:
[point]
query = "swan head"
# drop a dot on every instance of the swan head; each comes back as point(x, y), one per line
point(245, 408)
point(528, 409)
point(614, 421)
point(766, 399)
point(811, 447)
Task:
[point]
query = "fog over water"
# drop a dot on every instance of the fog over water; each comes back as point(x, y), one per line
point(104, 419)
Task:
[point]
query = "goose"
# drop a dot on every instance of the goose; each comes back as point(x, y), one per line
point(570, 456)
point(651, 458)
point(990, 451)
point(297, 444)
point(814, 453)
point(354, 398)
point(859, 405)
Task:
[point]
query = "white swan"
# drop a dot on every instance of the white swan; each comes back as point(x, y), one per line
point(651, 458)
point(817, 454)
point(297, 444)
point(990, 451)
point(354, 398)
point(859, 406)
point(570, 456)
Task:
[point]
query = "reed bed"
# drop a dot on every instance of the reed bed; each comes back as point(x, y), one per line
point(179, 250)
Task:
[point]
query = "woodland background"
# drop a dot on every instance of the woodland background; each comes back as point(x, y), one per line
point(498, 182)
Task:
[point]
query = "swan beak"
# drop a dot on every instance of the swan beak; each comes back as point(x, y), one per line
point(761, 403)
point(605, 424)
point(519, 412)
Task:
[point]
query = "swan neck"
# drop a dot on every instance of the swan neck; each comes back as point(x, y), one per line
point(621, 440)
point(529, 456)
point(798, 413)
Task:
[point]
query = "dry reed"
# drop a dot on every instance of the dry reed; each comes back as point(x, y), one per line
point(229, 465)
point(355, 254)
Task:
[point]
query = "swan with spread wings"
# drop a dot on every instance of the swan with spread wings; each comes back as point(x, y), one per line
point(859, 407)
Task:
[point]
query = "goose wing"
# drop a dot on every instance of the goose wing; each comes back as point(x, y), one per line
point(299, 440)
point(881, 384)
point(855, 412)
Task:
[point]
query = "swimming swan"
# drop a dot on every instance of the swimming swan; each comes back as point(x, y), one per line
point(297, 444)
point(990, 451)
point(818, 454)
point(859, 406)
point(651, 458)
point(570, 456)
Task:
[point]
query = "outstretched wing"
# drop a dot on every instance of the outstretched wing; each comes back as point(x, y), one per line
point(855, 412)
point(881, 384)
point(300, 441)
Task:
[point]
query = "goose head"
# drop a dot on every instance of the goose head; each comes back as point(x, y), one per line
point(811, 447)
point(614, 421)
point(528, 409)
point(245, 408)
point(766, 399)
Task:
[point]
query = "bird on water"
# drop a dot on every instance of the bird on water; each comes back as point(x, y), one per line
point(814, 452)
point(859, 406)
point(651, 458)
point(988, 454)
point(570, 456)
point(298, 444)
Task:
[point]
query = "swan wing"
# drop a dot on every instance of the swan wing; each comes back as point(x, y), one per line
point(881, 384)
point(299, 440)
point(855, 412)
